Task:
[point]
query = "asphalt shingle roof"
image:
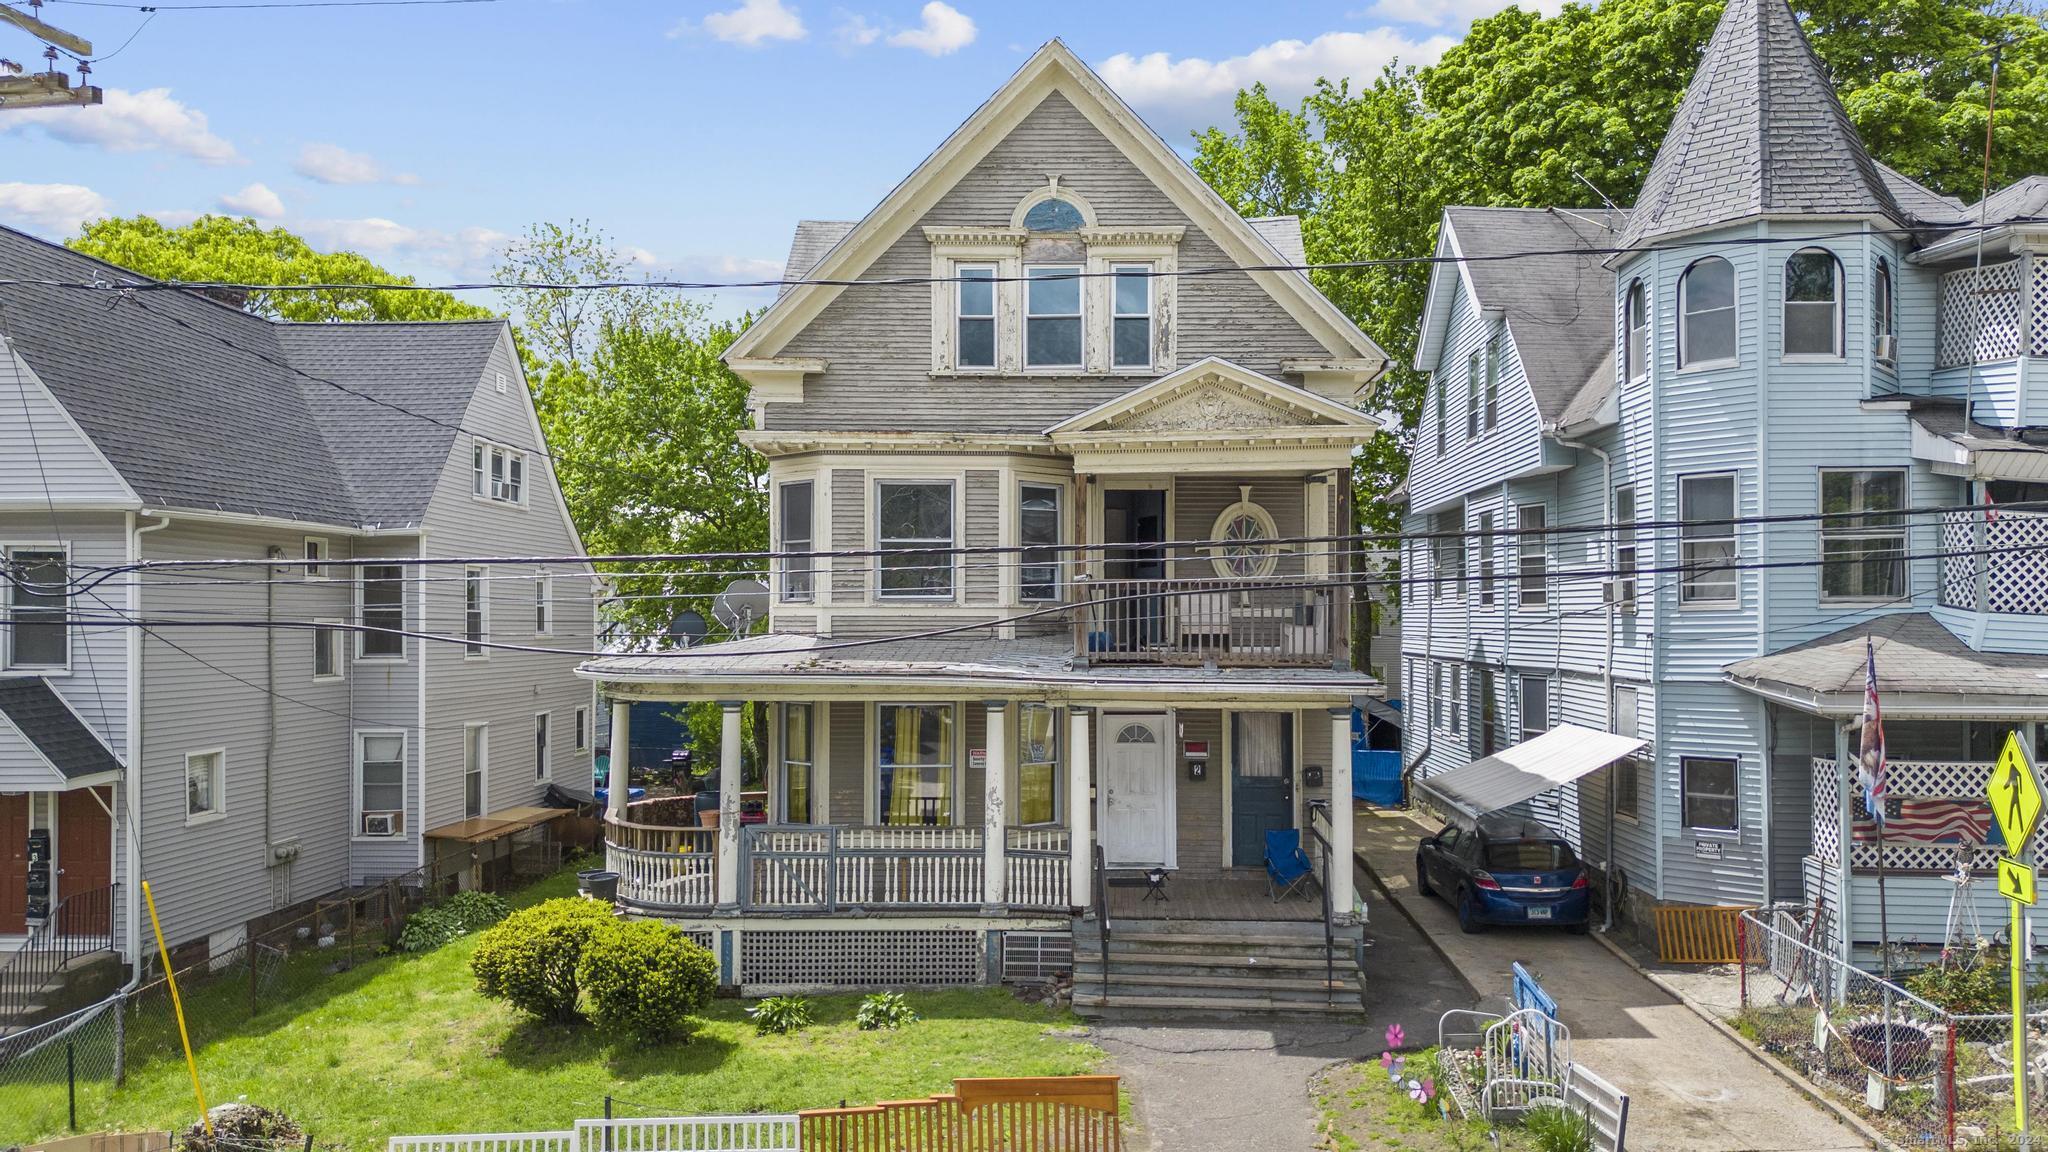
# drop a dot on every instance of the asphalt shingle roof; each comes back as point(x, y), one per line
point(1559, 308)
point(1759, 131)
point(40, 714)
point(200, 405)
point(1916, 656)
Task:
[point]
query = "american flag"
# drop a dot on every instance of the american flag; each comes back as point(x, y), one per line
point(1870, 758)
point(1928, 820)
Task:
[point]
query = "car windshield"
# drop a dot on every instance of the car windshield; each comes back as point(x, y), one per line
point(1529, 856)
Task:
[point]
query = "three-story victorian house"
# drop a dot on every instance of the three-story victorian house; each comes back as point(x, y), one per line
point(1056, 600)
point(1779, 400)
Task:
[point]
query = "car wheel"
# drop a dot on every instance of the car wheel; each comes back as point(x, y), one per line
point(1468, 916)
point(1422, 878)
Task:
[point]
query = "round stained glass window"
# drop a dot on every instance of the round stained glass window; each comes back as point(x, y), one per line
point(1244, 546)
point(1053, 215)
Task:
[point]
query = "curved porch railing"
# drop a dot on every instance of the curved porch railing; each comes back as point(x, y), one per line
point(662, 866)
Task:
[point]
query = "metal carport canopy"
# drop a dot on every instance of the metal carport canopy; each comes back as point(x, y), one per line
point(1528, 769)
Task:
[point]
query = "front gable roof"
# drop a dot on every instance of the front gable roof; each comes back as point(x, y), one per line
point(1052, 69)
point(1211, 395)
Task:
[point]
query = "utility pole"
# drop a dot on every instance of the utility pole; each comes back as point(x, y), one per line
point(49, 88)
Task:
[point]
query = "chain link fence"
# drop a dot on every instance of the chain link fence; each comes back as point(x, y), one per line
point(61, 1074)
point(1925, 1057)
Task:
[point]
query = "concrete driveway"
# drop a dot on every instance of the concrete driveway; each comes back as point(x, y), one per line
point(1689, 1087)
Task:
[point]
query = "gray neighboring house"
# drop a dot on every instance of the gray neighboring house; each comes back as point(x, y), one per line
point(243, 770)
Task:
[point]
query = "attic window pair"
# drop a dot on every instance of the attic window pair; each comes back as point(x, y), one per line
point(1054, 315)
point(498, 474)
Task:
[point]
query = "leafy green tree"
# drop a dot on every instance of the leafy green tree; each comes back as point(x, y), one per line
point(227, 249)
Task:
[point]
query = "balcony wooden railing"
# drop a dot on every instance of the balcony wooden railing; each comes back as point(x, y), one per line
point(1270, 621)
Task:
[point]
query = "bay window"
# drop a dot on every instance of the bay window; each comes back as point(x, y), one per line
point(1813, 304)
point(794, 518)
point(1038, 532)
point(914, 535)
point(1706, 313)
point(914, 763)
point(1636, 345)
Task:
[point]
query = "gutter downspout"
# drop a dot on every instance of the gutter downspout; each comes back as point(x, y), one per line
point(132, 778)
point(1607, 666)
point(1429, 677)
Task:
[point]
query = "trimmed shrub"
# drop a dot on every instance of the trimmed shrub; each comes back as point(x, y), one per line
point(529, 959)
point(646, 979)
point(780, 1014)
point(883, 1010)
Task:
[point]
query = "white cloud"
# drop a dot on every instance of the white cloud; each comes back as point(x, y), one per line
point(1457, 14)
point(855, 31)
point(255, 200)
point(53, 210)
point(146, 121)
point(467, 253)
point(1192, 93)
point(333, 164)
point(755, 21)
point(945, 30)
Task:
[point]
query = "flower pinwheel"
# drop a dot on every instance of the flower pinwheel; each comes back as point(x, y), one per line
point(1395, 1036)
point(1393, 1065)
point(1421, 1091)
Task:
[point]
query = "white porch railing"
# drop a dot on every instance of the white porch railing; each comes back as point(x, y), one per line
point(486, 1142)
point(682, 880)
point(823, 868)
point(768, 1132)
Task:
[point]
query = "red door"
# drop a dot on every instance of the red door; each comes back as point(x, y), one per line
point(14, 864)
point(85, 857)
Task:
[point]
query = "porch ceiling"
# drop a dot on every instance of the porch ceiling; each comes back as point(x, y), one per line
point(1923, 671)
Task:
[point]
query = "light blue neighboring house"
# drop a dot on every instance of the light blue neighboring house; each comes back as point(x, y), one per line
point(1781, 327)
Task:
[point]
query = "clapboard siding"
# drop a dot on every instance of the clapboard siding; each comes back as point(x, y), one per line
point(847, 740)
point(506, 689)
point(983, 575)
point(1198, 805)
point(878, 340)
point(849, 533)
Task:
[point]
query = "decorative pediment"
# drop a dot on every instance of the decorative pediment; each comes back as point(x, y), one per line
point(1212, 395)
point(1210, 405)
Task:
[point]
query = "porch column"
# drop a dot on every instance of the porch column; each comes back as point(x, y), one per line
point(995, 807)
point(1341, 819)
point(619, 774)
point(729, 807)
point(1080, 812)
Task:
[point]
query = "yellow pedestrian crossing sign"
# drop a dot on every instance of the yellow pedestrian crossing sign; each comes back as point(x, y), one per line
point(2015, 796)
point(2015, 881)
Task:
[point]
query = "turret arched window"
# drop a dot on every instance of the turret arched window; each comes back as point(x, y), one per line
point(1636, 339)
point(1883, 342)
point(1813, 303)
point(1706, 313)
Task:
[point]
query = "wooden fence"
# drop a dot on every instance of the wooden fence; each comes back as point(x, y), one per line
point(1699, 934)
point(982, 1114)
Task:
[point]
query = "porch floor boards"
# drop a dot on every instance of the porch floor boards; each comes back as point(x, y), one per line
point(1231, 894)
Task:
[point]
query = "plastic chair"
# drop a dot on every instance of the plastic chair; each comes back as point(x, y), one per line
point(1287, 866)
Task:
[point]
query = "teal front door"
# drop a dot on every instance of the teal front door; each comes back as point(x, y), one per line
point(1261, 782)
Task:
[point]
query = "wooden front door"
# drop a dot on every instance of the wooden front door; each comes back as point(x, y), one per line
point(14, 864)
point(85, 857)
point(1136, 832)
point(1261, 782)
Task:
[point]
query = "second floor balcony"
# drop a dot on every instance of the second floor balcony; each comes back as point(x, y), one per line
point(1237, 621)
point(1995, 562)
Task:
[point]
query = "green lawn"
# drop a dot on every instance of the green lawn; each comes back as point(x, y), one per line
point(404, 1045)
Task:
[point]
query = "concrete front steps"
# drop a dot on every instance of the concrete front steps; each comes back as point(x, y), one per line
point(80, 981)
point(1179, 967)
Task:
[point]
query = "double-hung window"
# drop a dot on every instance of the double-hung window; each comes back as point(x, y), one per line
point(1706, 539)
point(543, 757)
point(543, 604)
point(1533, 714)
point(1456, 700)
point(1472, 395)
point(914, 763)
point(206, 784)
point(1038, 764)
point(1437, 677)
point(1636, 346)
point(795, 519)
point(1449, 552)
point(1882, 325)
point(1863, 535)
point(380, 783)
point(326, 649)
point(380, 612)
point(38, 607)
point(1131, 318)
point(1443, 426)
point(1813, 304)
point(1625, 549)
point(1038, 534)
point(1491, 414)
point(476, 611)
point(583, 728)
point(1052, 316)
point(498, 473)
point(1707, 786)
point(476, 749)
point(1622, 774)
point(1486, 558)
point(1532, 557)
point(914, 535)
point(975, 320)
point(1706, 313)
point(796, 763)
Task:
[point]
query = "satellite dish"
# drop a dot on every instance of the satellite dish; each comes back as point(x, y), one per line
point(742, 603)
point(688, 628)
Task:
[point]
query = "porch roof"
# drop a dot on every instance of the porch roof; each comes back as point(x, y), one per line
point(1923, 670)
point(799, 667)
point(48, 739)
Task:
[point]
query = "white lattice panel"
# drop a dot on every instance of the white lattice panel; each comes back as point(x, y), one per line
point(852, 958)
point(2037, 304)
point(1958, 568)
point(2017, 581)
point(1827, 830)
point(1906, 781)
point(1980, 314)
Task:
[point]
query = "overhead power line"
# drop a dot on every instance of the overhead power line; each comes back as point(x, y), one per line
point(153, 8)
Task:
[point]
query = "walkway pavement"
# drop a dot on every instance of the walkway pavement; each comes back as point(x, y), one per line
point(1229, 1085)
point(1690, 1087)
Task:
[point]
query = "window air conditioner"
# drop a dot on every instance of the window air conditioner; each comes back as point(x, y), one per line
point(1887, 348)
point(380, 823)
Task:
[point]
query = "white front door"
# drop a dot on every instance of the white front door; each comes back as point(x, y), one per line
point(1136, 811)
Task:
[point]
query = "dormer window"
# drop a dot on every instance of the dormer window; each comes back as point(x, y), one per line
point(1053, 215)
point(1052, 316)
point(1813, 304)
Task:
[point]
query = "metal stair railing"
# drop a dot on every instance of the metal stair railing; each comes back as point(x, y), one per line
point(80, 925)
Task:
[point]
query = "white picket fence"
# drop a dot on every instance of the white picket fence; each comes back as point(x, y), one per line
point(763, 1133)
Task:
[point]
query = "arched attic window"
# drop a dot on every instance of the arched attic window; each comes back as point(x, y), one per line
point(1053, 214)
point(1813, 303)
point(1706, 313)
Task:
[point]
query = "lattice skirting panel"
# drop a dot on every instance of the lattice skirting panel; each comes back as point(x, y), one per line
point(861, 958)
point(1035, 957)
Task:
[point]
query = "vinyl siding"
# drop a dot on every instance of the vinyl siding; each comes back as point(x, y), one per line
point(1511, 448)
point(96, 685)
point(879, 340)
point(384, 694)
point(506, 689)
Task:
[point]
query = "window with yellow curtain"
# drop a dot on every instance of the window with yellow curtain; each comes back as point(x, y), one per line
point(914, 763)
point(1038, 764)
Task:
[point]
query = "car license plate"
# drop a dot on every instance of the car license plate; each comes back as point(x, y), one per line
point(1539, 913)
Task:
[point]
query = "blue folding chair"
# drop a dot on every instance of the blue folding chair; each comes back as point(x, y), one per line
point(1287, 866)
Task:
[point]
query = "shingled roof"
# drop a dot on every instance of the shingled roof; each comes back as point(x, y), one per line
point(201, 405)
point(1759, 131)
point(1559, 305)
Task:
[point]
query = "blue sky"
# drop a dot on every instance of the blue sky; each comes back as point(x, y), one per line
point(695, 134)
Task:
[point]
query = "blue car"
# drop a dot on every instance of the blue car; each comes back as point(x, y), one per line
point(1505, 870)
